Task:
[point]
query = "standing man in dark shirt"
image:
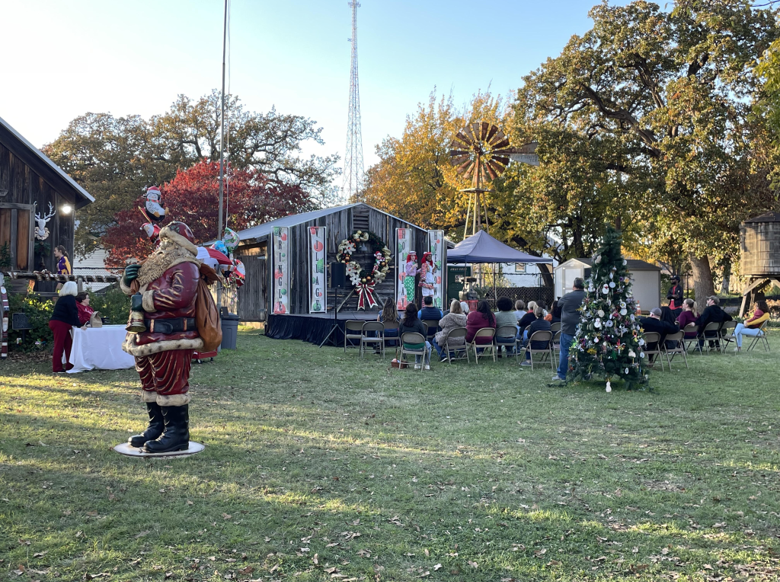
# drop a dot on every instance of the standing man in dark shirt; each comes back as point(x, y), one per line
point(570, 319)
point(675, 296)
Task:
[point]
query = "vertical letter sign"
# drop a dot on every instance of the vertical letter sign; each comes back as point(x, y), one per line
point(281, 271)
point(318, 295)
point(405, 273)
point(438, 275)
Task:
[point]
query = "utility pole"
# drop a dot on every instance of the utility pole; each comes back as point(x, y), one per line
point(222, 148)
point(222, 131)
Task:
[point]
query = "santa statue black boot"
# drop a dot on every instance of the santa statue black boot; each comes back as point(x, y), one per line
point(155, 428)
point(176, 436)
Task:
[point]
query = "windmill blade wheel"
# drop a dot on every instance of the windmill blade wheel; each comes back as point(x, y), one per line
point(484, 141)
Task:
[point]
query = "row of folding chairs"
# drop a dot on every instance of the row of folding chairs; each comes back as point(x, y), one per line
point(361, 334)
point(719, 336)
point(487, 341)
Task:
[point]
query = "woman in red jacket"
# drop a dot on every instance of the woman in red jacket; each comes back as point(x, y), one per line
point(85, 311)
point(482, 317)
point(64, 317)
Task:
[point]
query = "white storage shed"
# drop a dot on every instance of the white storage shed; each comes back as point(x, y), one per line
point(645, 279)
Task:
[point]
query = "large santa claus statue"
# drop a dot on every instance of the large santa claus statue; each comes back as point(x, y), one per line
point(163, 290)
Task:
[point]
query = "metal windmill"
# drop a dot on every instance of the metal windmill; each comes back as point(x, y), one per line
point(481, 153)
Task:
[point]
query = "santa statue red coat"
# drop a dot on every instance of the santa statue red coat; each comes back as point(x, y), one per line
point(165, 287)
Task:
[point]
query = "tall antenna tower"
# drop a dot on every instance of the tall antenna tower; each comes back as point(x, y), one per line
point(353, 158)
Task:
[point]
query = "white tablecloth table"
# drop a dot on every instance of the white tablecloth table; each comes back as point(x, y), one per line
point(99, 348)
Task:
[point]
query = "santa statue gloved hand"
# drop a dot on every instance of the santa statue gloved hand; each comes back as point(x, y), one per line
point(166, 285)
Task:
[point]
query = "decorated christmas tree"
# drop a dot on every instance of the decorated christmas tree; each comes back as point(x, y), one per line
point(609, 342)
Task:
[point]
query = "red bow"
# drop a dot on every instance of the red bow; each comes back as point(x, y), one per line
point(366, 294)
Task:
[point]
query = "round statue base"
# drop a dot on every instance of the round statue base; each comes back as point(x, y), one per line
point(128, 451)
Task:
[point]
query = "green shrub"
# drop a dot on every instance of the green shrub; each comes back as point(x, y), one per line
point(113, 304)
point(38, 311)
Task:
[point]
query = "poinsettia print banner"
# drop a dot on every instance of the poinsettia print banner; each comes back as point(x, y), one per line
point(281, 271)
point(437, 249)
point(403, 245)
point(318, 287)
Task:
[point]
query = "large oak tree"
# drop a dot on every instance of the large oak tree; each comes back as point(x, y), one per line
point(665, 99)
point(115, 158)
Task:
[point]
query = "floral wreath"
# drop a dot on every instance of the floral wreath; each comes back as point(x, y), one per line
point(363, 279)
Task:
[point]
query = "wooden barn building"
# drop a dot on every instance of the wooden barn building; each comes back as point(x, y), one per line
point(31, 183)
point(256, 301)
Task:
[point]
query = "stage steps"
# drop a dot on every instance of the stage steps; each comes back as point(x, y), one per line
point(383, 291)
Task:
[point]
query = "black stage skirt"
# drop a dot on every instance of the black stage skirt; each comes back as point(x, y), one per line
point(309, 329)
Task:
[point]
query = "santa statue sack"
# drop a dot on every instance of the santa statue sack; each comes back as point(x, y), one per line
point(206, 314)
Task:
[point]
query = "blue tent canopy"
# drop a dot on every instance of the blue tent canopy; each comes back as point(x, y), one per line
point(483, 248)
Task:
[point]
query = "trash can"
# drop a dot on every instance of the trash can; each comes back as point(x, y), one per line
point(229, 330)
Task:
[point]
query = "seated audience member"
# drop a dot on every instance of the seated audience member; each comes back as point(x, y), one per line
point(527, 319)
point(389, 316)
point(519, 310)
point(478, 319)
point(85, 311)
point(429, 313)
point(711, 314)
point(464, 307)
point(654, 323)
point(539, 324)
point(412, 323)
point(752, 325)
point(506, 317)
point(454, 319)
point(549, 314)
point(543, 305)
point(556, 312)
point(669, 316)
point(687, 317)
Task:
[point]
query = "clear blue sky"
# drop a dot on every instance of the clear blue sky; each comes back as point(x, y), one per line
point(134, 57)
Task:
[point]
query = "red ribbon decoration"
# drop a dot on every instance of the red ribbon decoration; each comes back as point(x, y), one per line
point(366, 294)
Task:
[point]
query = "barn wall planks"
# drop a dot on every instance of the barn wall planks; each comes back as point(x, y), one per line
point(20, 184)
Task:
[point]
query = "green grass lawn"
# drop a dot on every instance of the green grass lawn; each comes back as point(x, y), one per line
point(322, 466)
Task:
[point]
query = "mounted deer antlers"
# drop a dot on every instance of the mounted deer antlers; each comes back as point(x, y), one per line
point(41, 232)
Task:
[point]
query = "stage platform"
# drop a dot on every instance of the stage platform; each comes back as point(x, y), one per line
point(313, 327)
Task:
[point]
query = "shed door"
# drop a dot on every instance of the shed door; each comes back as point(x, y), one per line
point(16, 237)
point(251, 297)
